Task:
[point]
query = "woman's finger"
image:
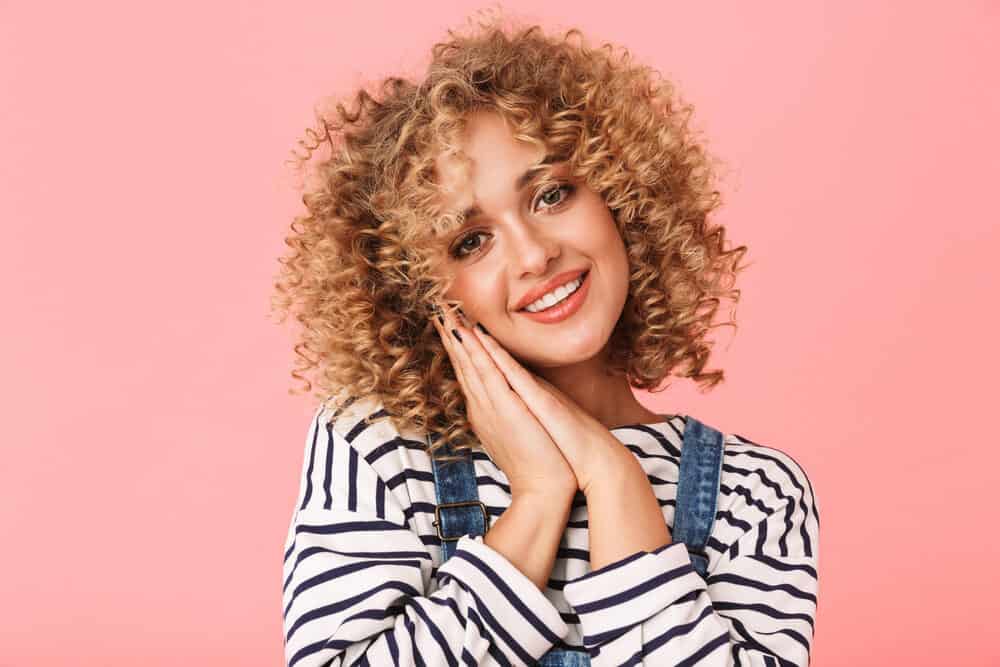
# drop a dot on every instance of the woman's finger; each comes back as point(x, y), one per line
point(521, 380)
point(492, 378)
point(472, 384)
point(557, 416)
point(448, 342)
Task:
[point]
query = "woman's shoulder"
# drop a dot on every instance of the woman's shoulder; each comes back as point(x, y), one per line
point(766, 459)
point(361, 423)
point(759, 479)
point(749, 463)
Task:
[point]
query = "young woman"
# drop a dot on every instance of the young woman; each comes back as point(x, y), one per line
point(492, 260)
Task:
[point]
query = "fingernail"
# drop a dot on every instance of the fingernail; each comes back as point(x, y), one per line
point(482, 328)
point(440, 319)
point(456, 335)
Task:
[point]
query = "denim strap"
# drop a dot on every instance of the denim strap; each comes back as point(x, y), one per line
point(698, 490)
point(459, 511)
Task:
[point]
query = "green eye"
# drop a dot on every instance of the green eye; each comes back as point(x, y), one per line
point(544, 196)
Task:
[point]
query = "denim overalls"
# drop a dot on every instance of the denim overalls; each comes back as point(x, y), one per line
point(460, 512)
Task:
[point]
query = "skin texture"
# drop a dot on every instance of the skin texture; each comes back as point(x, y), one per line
point(520, 240)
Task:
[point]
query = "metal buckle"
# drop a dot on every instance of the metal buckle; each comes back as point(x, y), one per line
point(462, 503)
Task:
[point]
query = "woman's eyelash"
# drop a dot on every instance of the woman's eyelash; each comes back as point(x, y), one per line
point(456, 251)
point(569, 189)
point(565, 186)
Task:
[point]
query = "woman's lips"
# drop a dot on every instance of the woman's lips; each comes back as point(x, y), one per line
point(564, 308)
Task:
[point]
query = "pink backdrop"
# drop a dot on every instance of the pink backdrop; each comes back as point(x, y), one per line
point(151, 451)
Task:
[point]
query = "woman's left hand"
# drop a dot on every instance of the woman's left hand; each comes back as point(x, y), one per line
point(588, 446)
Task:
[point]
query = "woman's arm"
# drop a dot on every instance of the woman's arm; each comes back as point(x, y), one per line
point(528, 533)
point(649, 606)
point(623, 513)
point(358, 574)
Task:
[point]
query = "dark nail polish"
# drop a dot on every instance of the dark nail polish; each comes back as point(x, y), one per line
point(482, 328)
point(456, 335)
point(440, 319)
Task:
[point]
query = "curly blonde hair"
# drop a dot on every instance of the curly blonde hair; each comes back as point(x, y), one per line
point(362, 272)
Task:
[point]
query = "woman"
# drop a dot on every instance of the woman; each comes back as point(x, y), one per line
point(491, 261)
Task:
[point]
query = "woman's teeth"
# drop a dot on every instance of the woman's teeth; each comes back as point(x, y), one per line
point(555, 296)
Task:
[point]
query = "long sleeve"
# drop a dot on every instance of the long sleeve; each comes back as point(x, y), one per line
point(356, 579)
point(758, 606)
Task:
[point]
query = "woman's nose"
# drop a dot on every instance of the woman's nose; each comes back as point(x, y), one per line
point(532, 250)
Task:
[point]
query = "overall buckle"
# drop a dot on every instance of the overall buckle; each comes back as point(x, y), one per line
point(462, 503)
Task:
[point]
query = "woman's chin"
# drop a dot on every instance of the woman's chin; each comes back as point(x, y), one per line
point(554, 353)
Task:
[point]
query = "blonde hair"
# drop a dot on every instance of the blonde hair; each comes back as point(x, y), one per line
point(361, 277)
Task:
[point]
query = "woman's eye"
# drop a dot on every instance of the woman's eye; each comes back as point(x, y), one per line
point(467, 245)
point(462, 247)
point(545, 196)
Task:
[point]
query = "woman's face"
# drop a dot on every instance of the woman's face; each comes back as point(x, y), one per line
point(519, 240)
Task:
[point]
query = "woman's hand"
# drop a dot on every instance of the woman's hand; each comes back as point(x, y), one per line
point(510, 433)
point(588, 446)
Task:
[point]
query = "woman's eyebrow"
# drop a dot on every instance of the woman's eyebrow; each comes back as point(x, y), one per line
point(520, 183)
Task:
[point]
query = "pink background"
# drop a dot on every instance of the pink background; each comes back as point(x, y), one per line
point(151, 451)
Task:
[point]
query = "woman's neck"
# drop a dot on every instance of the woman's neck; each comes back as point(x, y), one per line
point(607, 398)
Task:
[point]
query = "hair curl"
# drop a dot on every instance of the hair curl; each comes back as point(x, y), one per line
point(361, 277)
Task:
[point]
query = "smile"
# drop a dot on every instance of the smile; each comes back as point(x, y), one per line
point(560, 303)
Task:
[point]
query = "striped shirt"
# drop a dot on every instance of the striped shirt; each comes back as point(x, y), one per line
point(364, 582)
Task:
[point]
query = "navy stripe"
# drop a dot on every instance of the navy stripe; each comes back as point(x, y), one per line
point(347, 603)
point(733, 520)
point(306, 651)
point(653, 643)
point(380, 491)
point(764, 609)
point(750, 583)
point(741, 490)
point(343, 570)
point(328, 475)
point(779, 565)
point(373, 525)
point(312, 460)
point(721, 640)
point(352, 480)
point(610, 566)
point(637, 591)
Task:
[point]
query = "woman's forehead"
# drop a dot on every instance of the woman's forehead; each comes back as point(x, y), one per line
point(485, 140)
point(453, 174)
point(456, 173)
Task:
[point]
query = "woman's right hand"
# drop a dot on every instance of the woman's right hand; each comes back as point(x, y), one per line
point(511, 435)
